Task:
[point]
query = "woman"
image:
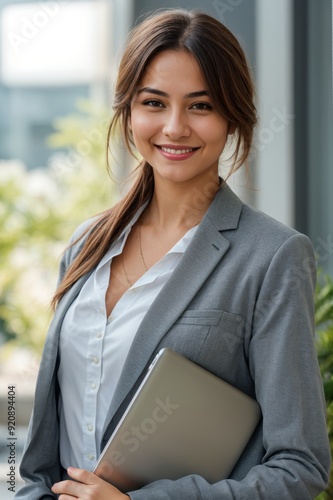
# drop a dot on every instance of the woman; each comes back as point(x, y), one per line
point(182, 262)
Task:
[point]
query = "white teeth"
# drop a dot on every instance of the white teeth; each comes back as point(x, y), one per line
point(176, 151)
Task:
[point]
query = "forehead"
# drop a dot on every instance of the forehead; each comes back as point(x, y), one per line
point(176, 69)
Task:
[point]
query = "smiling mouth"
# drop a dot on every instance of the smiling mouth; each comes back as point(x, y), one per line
point(177, 151)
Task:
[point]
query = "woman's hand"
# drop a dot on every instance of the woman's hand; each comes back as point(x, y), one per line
point(87, 486)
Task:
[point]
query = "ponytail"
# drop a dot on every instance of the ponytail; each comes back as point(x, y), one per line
point(106, 229)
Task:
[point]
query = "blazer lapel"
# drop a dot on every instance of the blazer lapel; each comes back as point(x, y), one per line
point(201, 257)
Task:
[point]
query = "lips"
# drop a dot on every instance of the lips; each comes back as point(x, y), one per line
point(177, 151)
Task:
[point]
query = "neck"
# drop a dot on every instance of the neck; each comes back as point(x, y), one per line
point(180, 205)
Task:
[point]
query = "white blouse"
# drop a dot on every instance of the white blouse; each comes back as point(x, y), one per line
point(93, 349)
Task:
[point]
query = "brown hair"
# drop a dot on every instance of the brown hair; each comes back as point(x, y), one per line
point(230, 87)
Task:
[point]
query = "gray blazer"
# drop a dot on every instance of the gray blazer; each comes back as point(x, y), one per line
point(239, 303)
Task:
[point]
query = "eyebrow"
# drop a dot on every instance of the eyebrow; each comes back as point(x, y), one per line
point(191, 95)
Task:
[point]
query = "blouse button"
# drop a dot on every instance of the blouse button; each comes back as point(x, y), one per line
point(90, 428)
point(95, 360)
point(93, 386)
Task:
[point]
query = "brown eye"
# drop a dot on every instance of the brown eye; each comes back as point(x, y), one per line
point(153, 103)
point(202, 106)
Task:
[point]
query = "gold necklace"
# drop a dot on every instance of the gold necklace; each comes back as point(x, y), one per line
point(128, 281)
point(140, 246)
point(141, 253)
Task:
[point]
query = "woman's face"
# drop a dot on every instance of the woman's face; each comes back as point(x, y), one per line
point(173, 121)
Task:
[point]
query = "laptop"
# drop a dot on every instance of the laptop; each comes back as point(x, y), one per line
point(182, 420)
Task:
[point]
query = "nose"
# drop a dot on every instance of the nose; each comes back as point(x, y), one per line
point(176, 125)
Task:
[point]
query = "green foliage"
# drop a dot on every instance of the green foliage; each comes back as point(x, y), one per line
point(39, 209)
point(324, 327)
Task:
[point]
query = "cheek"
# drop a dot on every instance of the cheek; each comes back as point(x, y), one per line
point(215, 141)
point(219, 135)
point(141, 127)
point(212, 131)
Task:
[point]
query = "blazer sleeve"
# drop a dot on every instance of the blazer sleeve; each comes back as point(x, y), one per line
point(40, 466)
point(284, 367)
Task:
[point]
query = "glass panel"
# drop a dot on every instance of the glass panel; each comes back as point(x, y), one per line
point(54, 43)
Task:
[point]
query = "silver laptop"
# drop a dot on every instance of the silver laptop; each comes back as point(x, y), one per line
point(182, 420)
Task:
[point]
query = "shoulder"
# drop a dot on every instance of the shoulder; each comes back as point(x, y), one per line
point(266, 231)
point(81, 233)
point(256, 239)
point(276, 251)
point(248, 225)
point(260, 223)
point(84, 228)
point(75, 244)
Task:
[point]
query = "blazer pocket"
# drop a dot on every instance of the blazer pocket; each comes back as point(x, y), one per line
point(223, 346)
point(189, 333)
point(210, 317)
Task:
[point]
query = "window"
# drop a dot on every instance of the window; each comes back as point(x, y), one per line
point(55, 43)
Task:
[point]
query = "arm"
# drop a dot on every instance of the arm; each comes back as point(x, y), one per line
point(40, 466)
point(283, 364)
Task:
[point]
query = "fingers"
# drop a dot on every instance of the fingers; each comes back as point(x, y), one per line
point(81, 475)
point(86, 485)
point(74, 488)
point(65, 488)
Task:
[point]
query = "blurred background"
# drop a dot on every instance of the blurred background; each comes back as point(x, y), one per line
point(58, 61)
